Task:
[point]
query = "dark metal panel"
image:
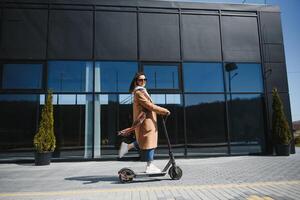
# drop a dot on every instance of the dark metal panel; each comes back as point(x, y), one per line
point(159, 37)
point(116, 35)
point(70, 34)
point(240, 39)
point(271, 27)
point(274, 53)
point(276, 76)
point(201, 38)
point(23, 34)
point(163, 4)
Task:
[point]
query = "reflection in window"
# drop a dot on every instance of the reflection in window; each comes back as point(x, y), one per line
point(203, 77)
point(22, 76)
point(158, 98)
point(114, 76)
point(125, 98)
point(113, 112)
point(173, 98)
point(246, 122)
point(18, 116)
point(107, 111)
point(73, 125)
point(162, 76)
point(244, 78)
point(173, 102)
point(205, 119)
point(70, 76)
point(166, 98)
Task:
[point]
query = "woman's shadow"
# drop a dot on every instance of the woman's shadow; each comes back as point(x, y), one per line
point(94, 179)
point(105, 178)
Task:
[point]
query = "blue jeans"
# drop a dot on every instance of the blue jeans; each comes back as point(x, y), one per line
point(146, 155)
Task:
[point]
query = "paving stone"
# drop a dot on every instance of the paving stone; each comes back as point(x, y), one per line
point(233, 178)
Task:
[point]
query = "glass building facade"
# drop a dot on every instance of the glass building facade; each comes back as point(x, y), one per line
point(209, 64)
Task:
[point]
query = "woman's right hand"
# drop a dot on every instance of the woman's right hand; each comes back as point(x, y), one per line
point(168, 113)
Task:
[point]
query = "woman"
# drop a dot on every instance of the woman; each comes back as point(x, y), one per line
point(146, 134)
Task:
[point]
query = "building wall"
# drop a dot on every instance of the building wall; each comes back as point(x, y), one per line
point(87, 52)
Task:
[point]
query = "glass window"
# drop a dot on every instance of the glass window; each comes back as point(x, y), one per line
point(162, 76)
point(243, 77)
point(205, 123)
point(70, 76)
point(22, 76)
point(114, 76)
point(174, 124)
point(203, 77)
point(18, 116)
point(108, 112)
point(113, 112)
point(73, 116)
point(246, 123)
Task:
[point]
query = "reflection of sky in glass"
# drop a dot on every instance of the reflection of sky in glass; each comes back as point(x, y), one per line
point(244, 96)
point(21, 97)
point(42, 99)
point(161, 77)
point(125, 98)
point(102, 98)
point(197, 99)
point(22, 76)
point(82, 99)
point(203, 77)
point(114, 76)
point(71, 76)
point(158, 98)
point(246, 78)
point(166, 98)
point(173, 99)
point(67, 99)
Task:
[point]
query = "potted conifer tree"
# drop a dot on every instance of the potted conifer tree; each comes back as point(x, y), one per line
point(44, 140)
point(280, 128)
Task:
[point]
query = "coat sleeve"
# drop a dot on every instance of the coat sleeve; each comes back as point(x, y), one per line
point(147, 104)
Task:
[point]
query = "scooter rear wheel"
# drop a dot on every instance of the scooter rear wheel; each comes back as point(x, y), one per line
point(175, 173)
point(126, 175)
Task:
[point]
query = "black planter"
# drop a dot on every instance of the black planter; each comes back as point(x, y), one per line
point(282, 149)
point(43, 158)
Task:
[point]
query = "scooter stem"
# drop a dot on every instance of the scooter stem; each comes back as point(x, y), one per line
point(167, 136)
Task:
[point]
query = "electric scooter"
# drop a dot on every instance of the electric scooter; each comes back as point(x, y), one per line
point(126, 175)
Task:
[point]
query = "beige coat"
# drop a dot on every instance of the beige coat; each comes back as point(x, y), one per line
point(146, 134)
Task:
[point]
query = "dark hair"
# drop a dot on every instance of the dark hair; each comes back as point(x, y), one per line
point(136, 76)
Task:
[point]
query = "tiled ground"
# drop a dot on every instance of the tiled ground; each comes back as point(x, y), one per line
point(233, 178)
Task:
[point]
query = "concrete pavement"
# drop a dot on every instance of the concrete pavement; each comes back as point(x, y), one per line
point(240, 177)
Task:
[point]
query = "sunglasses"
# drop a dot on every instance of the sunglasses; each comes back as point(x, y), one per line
point(142, 79)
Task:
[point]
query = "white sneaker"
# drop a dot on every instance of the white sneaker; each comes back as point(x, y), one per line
point(123, 149)
point(152, 169)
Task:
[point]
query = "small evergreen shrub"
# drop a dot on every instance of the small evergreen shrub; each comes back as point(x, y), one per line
point(280, 127)
point(297, 140)
point(44, 139)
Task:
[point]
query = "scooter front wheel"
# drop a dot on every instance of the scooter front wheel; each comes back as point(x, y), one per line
point(126, 175)
point(175, 172)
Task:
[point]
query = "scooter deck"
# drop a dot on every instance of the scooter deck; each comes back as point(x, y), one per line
point(150, 174)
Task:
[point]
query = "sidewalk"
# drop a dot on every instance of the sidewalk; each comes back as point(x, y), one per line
point(245, 177)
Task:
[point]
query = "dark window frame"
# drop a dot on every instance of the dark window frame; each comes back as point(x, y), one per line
point(160, 64)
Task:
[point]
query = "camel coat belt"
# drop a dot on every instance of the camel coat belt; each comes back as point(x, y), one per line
point(146, 134)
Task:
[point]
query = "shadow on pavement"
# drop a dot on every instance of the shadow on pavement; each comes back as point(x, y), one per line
point(105, 178)
point(94, 179)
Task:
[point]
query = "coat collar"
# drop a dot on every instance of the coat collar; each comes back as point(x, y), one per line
point(143, 90)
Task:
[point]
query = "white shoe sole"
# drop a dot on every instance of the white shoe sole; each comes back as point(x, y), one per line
point(123, 149)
